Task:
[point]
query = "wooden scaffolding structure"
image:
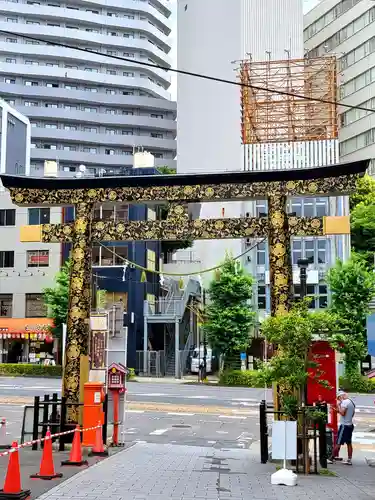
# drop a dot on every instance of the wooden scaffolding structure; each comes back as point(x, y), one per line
point(289, 100)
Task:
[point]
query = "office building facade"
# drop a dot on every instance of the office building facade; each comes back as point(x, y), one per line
point(346, 28)
point(84, 107)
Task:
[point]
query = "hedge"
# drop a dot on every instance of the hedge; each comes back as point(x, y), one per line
point(30, 370)
point(239, 378)
point(359, 384)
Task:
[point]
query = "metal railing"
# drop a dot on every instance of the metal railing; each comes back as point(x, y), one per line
point(181, 256)
point(155, 363)
point(171, 307)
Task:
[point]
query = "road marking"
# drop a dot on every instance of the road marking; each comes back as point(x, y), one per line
point(158, 432)
point(211, 442)
point(181, 414)
point(135, 411)
point(222, 432)
point(237, 417)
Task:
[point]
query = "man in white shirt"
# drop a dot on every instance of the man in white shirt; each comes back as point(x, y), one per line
point(346, 409)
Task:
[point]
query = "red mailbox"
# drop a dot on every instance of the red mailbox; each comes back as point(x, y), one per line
point(116, 384)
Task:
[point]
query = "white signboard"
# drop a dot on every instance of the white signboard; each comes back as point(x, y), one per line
point(99, 323)
point(284, 440)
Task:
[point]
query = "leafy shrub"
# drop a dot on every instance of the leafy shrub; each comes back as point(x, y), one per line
point(131, 373)
point(239, 378)
point(30, 370)
point(357, 383)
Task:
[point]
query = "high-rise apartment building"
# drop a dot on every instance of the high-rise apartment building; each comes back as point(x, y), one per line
point(346, 28)
point(86, 108)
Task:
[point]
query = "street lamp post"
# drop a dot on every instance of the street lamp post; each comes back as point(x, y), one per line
point(303, 264)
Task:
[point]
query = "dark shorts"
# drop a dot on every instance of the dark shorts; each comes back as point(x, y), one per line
point(344, 436)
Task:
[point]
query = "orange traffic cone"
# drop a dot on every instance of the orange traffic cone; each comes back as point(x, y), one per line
point(75, 457)
point(98, 450)
point(47, 468)
point(12, 484)
point(3, 435)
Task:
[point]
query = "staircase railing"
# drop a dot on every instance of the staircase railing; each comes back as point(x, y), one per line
point(185, 353)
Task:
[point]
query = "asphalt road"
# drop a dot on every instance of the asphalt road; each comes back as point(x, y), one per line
point(165, 393)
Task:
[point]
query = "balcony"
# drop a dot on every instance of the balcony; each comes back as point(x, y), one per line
point(80, 37)
point(81, 96)
point(84, 77)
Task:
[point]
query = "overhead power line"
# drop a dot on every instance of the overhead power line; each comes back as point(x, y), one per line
point(190, 73)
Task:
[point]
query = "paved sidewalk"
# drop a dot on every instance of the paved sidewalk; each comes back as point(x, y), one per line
point(156, 472)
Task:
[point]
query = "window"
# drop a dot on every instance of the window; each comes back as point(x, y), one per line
point(111, 72)
point(8, 217)
point(6, 258)
point(154, 115)
point(52, 85)
point(261, 208)
point(262, 301)
point(6, 305)
point(128, 73)
point(261, 254)
point(11, 40)
point(151, 260)
point(30, 103)
point(35, 307)
point(37, 258)
point(90, 129)
point(109, 152)
point(315, 249)
point(90, 150)
point(109, 256)
point(38, 216)
point(10, 60)
point(70, 127)
point(10, 80)
point(51, 125)
point(29, 83)
point(156, 135)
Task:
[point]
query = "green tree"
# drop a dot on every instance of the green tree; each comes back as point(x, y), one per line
point(228, 317)
point(352, 287)
point(56, 298)
point(166, 170)
point(293, 334)
point(362, 227)
point(362, 220)
point(365, 192)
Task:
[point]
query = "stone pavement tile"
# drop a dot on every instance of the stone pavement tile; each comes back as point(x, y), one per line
point(156, 472)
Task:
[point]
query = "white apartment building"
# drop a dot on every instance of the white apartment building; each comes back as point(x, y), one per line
point(347, 28)
point(84, 107)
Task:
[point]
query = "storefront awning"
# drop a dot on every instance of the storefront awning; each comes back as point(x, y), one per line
point(26, 328)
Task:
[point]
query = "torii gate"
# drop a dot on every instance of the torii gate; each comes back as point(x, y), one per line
point(178, 191)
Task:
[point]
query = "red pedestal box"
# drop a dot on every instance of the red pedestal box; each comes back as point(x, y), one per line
point(322, 354)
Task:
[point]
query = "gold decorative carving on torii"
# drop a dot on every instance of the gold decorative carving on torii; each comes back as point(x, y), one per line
point(178, 191)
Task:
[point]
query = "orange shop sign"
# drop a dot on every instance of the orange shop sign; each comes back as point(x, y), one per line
point(26, 328)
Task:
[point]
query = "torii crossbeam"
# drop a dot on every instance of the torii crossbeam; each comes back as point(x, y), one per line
point(178, 191)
